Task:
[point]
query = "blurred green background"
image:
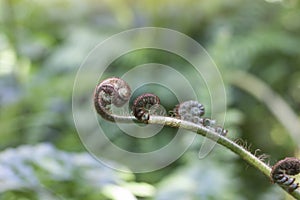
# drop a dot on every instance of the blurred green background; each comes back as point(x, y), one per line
point(255, 44)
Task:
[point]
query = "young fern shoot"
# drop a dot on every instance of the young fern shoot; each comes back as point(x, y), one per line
point(187, 115)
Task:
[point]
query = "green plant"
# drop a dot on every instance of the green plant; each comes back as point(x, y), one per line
point(44, 172)
point(111, 92)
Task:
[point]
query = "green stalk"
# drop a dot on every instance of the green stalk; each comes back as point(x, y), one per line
point(224, 141)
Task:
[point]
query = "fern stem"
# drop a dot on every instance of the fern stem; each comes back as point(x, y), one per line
point(224, 141)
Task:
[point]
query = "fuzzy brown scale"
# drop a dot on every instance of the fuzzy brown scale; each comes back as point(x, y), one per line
point(111, 91)
point(142, 105)
point(283, 168)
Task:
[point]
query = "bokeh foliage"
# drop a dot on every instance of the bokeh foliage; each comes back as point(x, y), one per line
point(42, 44)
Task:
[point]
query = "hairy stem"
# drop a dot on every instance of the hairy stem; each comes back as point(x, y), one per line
point(226, 142)
point(115, 91)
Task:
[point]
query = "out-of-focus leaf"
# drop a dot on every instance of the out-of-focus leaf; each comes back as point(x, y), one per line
point(47, 171)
